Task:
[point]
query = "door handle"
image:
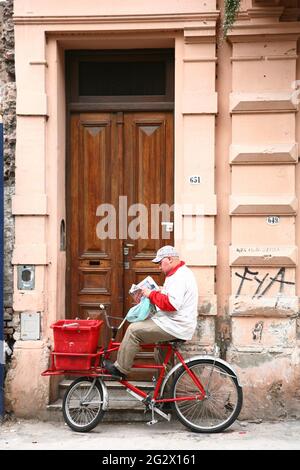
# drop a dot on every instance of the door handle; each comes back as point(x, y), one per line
point(126, 248)
point(125, 251)
point(168, 226)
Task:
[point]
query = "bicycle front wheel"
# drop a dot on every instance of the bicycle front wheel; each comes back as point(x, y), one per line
point(83, 404)
point(222, 403)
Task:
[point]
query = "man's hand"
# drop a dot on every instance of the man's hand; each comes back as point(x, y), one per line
point(146, 292)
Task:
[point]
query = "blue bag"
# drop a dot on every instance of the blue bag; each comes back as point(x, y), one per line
point(140, 311)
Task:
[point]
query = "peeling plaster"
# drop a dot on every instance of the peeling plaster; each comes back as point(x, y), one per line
point(246, 360)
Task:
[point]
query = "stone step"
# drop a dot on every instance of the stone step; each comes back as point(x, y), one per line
point(110, 384)
point(123, 407)
point(118, 400)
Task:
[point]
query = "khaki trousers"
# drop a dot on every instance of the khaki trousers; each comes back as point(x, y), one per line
point(142, 332)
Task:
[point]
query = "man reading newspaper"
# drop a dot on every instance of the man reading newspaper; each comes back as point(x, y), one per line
point(136, 290)
point(176, 315)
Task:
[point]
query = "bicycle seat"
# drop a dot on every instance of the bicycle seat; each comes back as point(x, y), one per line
point(177, 340)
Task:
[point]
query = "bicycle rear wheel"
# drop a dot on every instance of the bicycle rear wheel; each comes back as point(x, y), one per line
point(83, 404)
point(223, 401)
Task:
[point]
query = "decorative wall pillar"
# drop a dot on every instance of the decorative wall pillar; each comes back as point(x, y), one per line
point(196, 108)
point(297, 224)
point(263, 205)
point(29, 206)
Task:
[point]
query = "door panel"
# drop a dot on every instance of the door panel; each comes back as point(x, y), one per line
point(148, 158)
point(113, 155)
point(93, 268)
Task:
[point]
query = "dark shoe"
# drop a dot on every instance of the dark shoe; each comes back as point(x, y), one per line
point(111, 369)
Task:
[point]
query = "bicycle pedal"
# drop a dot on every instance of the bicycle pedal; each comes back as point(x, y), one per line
point(161, 413)
point(153, 421)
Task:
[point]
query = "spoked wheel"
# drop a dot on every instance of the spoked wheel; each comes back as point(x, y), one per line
point(223, 401)
point(83, 404)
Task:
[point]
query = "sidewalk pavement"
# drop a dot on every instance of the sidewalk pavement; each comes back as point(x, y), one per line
point(16, 434)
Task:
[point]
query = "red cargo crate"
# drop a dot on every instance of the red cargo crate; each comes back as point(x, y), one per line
point(74, 337)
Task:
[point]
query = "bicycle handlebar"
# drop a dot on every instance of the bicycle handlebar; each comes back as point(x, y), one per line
point(102, 308)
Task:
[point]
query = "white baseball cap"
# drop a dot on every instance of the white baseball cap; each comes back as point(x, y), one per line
point(164, 252)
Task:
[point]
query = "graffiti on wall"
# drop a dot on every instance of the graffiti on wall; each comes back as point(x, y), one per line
point(257, 331)
point(258, 303)
point(261, 285)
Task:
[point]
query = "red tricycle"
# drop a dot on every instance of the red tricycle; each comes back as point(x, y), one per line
point(205, 391)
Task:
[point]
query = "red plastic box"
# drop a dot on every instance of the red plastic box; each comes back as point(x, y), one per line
point(75, 337)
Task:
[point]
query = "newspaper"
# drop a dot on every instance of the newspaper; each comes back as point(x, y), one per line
point(136, 289)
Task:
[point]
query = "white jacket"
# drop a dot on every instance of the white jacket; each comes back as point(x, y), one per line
point(182, 290)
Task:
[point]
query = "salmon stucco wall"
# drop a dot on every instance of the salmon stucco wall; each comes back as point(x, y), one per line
point(236, 125)
point(263, 205)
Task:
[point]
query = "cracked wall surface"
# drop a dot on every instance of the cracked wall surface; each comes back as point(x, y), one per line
point(8, 113)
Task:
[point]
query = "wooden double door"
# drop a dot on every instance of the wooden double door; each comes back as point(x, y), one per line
point(119, 171)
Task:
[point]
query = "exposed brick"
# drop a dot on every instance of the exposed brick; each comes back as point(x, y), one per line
point(7, 316)
point(8, 112)
point(8, 331)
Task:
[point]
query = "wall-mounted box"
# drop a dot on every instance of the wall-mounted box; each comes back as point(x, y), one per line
point(30, 326)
